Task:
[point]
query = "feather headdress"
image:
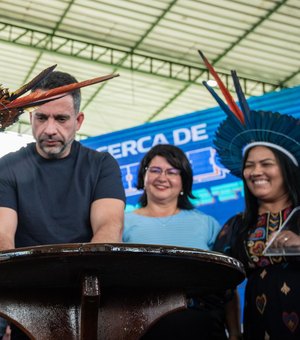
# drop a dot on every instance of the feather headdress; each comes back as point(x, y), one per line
point(12, 105)
point(244, 128)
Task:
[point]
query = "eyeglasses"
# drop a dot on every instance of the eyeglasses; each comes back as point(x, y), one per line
point(157, 171)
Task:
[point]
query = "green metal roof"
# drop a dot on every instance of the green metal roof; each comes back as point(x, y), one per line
point(153, 46)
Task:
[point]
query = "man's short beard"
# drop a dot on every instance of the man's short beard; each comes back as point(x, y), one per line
point(55, 155)
point(58, 150)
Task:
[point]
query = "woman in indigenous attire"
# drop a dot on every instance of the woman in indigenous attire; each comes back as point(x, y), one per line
point(263, 148)
point(272, 189)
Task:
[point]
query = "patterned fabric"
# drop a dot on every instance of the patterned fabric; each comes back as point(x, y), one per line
point(272, 296)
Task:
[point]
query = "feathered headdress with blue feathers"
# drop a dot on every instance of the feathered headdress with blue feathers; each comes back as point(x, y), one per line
point(244, 128)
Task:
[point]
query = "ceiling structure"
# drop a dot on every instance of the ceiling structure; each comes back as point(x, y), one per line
point(152, 45)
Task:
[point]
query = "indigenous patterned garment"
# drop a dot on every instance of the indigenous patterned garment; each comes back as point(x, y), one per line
point(272, 296)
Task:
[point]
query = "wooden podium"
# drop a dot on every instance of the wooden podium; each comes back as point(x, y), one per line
point(105, 291)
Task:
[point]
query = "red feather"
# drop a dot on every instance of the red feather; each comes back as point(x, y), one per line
point(38, 97)
point(12, 105)
point(28, 86)
point(229, 99)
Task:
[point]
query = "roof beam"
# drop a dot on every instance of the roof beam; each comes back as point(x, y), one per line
point(120, 59)
point(250, 30)
point(225, 52)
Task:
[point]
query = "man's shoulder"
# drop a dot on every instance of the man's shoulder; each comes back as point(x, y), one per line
point(92, 152)
point(95, 161)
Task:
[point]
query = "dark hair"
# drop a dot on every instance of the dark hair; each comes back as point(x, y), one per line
point(177, 158)
point(291, 178)
point(56, 79)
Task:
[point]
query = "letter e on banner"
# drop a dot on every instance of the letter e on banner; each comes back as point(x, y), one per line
point(199, 132)
point(129, 147)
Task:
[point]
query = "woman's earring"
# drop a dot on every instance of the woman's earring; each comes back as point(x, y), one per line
point(181, 193)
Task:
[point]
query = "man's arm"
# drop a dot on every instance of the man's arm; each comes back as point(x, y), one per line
point(8, 227)
point(107, 219)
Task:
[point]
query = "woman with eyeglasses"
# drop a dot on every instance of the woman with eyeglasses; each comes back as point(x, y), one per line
point(167, 217)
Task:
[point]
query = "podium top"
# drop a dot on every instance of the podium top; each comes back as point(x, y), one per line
point(119, 265)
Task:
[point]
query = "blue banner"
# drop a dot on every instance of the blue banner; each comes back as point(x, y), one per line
point(217, 192)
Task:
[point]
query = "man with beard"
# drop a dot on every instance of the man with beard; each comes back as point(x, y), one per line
point(56, 190)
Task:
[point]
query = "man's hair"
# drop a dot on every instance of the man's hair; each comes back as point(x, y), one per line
point(177, 158)
point(56, 79)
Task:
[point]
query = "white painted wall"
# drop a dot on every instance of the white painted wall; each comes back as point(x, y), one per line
point(12, 141)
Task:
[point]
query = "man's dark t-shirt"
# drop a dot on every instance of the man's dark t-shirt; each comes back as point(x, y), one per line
point(53, 196)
